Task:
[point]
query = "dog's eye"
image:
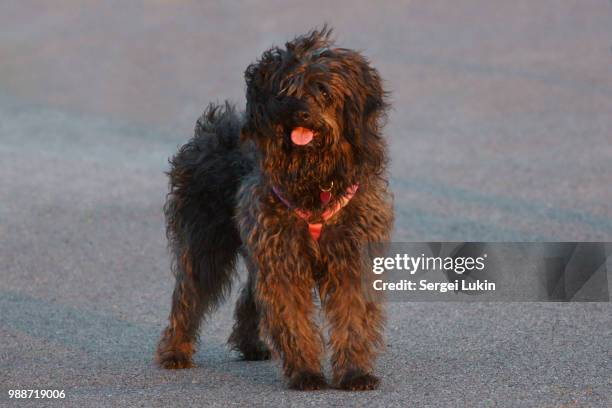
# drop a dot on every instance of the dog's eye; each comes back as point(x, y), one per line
point(323, 92)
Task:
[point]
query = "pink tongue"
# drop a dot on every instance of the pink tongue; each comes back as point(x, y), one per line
point(301, 136)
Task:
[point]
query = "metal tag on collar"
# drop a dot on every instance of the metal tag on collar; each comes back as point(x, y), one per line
point(325, 194)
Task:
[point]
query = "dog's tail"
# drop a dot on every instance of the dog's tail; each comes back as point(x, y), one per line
point(204, 178)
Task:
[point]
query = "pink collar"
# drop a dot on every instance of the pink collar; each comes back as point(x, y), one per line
point(315, 229)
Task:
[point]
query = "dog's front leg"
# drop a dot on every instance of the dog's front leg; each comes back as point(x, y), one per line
point(284, 295)
point(355, 318)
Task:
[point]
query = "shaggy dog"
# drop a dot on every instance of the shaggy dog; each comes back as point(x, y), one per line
point(297, 186)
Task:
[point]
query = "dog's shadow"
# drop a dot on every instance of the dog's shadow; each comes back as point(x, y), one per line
point(218, 361)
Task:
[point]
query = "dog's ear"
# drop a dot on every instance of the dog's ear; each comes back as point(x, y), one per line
point(365, 112)
point(258, 95)
point(254, 103)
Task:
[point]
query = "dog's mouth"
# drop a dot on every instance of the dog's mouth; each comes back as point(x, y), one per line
point(301, 136)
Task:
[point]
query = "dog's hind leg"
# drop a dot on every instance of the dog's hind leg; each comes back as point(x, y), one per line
point(177, 344)
point(245, 334)
point(203, 237)
point(197, 291)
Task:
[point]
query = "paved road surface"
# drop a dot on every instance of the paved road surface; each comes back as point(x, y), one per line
point(501, 130)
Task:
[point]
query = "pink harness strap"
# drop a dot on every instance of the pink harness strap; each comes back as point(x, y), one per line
point(315, 229)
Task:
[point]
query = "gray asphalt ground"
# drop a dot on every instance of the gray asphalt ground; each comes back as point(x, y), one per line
point(501, 131)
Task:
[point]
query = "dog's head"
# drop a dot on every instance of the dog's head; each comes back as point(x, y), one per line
point(313, 111)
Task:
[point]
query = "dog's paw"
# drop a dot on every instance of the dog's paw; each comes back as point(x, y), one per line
point(256, 353)
point(306, 381)
point(358, 381)
point(174, 360)
point(250, 350)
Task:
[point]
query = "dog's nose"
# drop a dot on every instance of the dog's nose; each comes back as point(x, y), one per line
point(302, 116)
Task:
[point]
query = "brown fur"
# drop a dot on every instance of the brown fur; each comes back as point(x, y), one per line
point(221, 203)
